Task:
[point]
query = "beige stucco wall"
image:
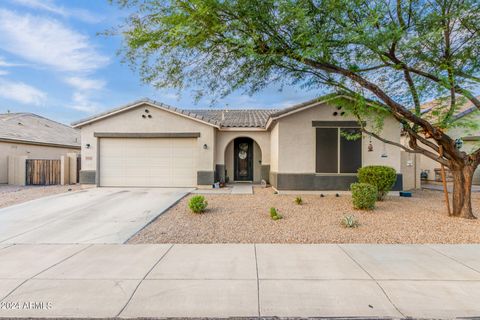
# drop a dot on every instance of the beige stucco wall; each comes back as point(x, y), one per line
point(410, 168)
point(274, 147)
point(296, 141)
point(162, 121)
point(431, 165)
point(262, 138)
point(29, 150)
point(468, 146)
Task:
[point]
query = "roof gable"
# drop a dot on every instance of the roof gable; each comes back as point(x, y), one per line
point(228, 118)
point(151, 103)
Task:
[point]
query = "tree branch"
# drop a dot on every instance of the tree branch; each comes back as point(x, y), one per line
point(417, 149)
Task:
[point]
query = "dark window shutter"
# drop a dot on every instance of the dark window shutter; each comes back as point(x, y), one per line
point(326, 150)
point(350, 152)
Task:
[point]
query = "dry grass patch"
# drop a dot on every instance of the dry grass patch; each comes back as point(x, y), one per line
point(246, 219)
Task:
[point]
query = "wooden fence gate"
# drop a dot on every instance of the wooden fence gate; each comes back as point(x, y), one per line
point(43, 172)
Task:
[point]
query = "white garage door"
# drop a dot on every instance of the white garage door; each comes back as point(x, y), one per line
point(153, 162)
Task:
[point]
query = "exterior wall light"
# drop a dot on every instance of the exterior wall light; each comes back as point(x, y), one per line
point(87, 146)
point(205, 146)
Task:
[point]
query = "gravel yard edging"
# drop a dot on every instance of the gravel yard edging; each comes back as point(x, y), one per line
point(245, 219)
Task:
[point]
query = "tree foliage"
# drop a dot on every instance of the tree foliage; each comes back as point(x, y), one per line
point(388, 54)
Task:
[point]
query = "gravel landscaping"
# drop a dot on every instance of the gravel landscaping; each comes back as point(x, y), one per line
point(246, 219)
point(10, 195)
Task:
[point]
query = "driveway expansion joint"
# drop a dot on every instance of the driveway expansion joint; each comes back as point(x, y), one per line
point(452, 258)
point(258, 278)
point(38, 273)
point(377, 283)
point(141, 280)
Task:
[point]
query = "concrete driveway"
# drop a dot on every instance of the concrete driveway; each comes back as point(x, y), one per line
point(99, 215)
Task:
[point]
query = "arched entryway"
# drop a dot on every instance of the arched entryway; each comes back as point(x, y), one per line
point(243, 160)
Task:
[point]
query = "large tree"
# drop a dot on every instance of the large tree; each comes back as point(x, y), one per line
point(397, 53)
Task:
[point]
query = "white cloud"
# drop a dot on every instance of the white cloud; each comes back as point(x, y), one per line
point(48, 42)
point(4, 63)
point(52, 7)
point(83, 102)
point(21, 92)
point(84, 84)
point(3, 72)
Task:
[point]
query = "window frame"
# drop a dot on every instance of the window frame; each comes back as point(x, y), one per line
point(339, 154)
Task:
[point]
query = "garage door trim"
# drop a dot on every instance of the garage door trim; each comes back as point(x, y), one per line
point(134, 135)
point(147, 134)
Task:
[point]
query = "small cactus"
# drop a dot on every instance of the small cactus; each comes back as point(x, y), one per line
point(349, 221)
point(274, 214)
point(299, 200)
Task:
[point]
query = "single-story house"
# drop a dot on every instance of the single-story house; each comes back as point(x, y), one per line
point(33, 136)
point(147, 143)
point(465, 115)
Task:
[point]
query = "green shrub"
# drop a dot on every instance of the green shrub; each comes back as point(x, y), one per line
point(382, 177)
point(349, 221)
point(364, 196)
point(274, 214)
point(197, 204)
point(299, 200)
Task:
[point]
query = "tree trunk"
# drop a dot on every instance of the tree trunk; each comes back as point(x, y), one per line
point(462, 192)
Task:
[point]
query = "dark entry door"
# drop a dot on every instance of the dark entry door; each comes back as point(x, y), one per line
point(243, 159)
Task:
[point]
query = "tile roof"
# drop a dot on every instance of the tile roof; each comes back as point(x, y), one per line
point(236, 118)
point(227, 118)
point(442, 104)
point(29, 127)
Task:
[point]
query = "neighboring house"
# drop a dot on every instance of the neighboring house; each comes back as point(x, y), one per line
point(28, 134)
point(465, 115)
point(299, 148)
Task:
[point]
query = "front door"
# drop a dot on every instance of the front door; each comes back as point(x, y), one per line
point(243, 159)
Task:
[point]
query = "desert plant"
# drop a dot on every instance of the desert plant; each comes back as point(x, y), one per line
point(274, 214)
point(197, 204)
point(349, 221)
point(299, 200)
point(364, 196)
point(382, 177)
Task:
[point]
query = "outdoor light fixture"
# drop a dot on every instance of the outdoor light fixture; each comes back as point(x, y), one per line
point(205, 146)
point(384, 153)
point(87, 146)
point(370, 145)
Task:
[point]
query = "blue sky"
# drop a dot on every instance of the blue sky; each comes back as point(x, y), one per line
point(53, 63)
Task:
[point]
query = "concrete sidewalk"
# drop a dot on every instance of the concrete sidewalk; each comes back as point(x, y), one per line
point(240, 280)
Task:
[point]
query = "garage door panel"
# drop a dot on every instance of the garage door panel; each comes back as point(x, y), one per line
point(162, 162)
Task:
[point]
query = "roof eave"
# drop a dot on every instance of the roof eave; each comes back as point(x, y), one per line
point(81, 123)
point(242, 129)
point(40, 143)
point(302, 106)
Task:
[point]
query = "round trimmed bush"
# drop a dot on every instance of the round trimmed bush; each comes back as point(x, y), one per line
point(382, 177)
point(197, 204)
point(364, 196)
